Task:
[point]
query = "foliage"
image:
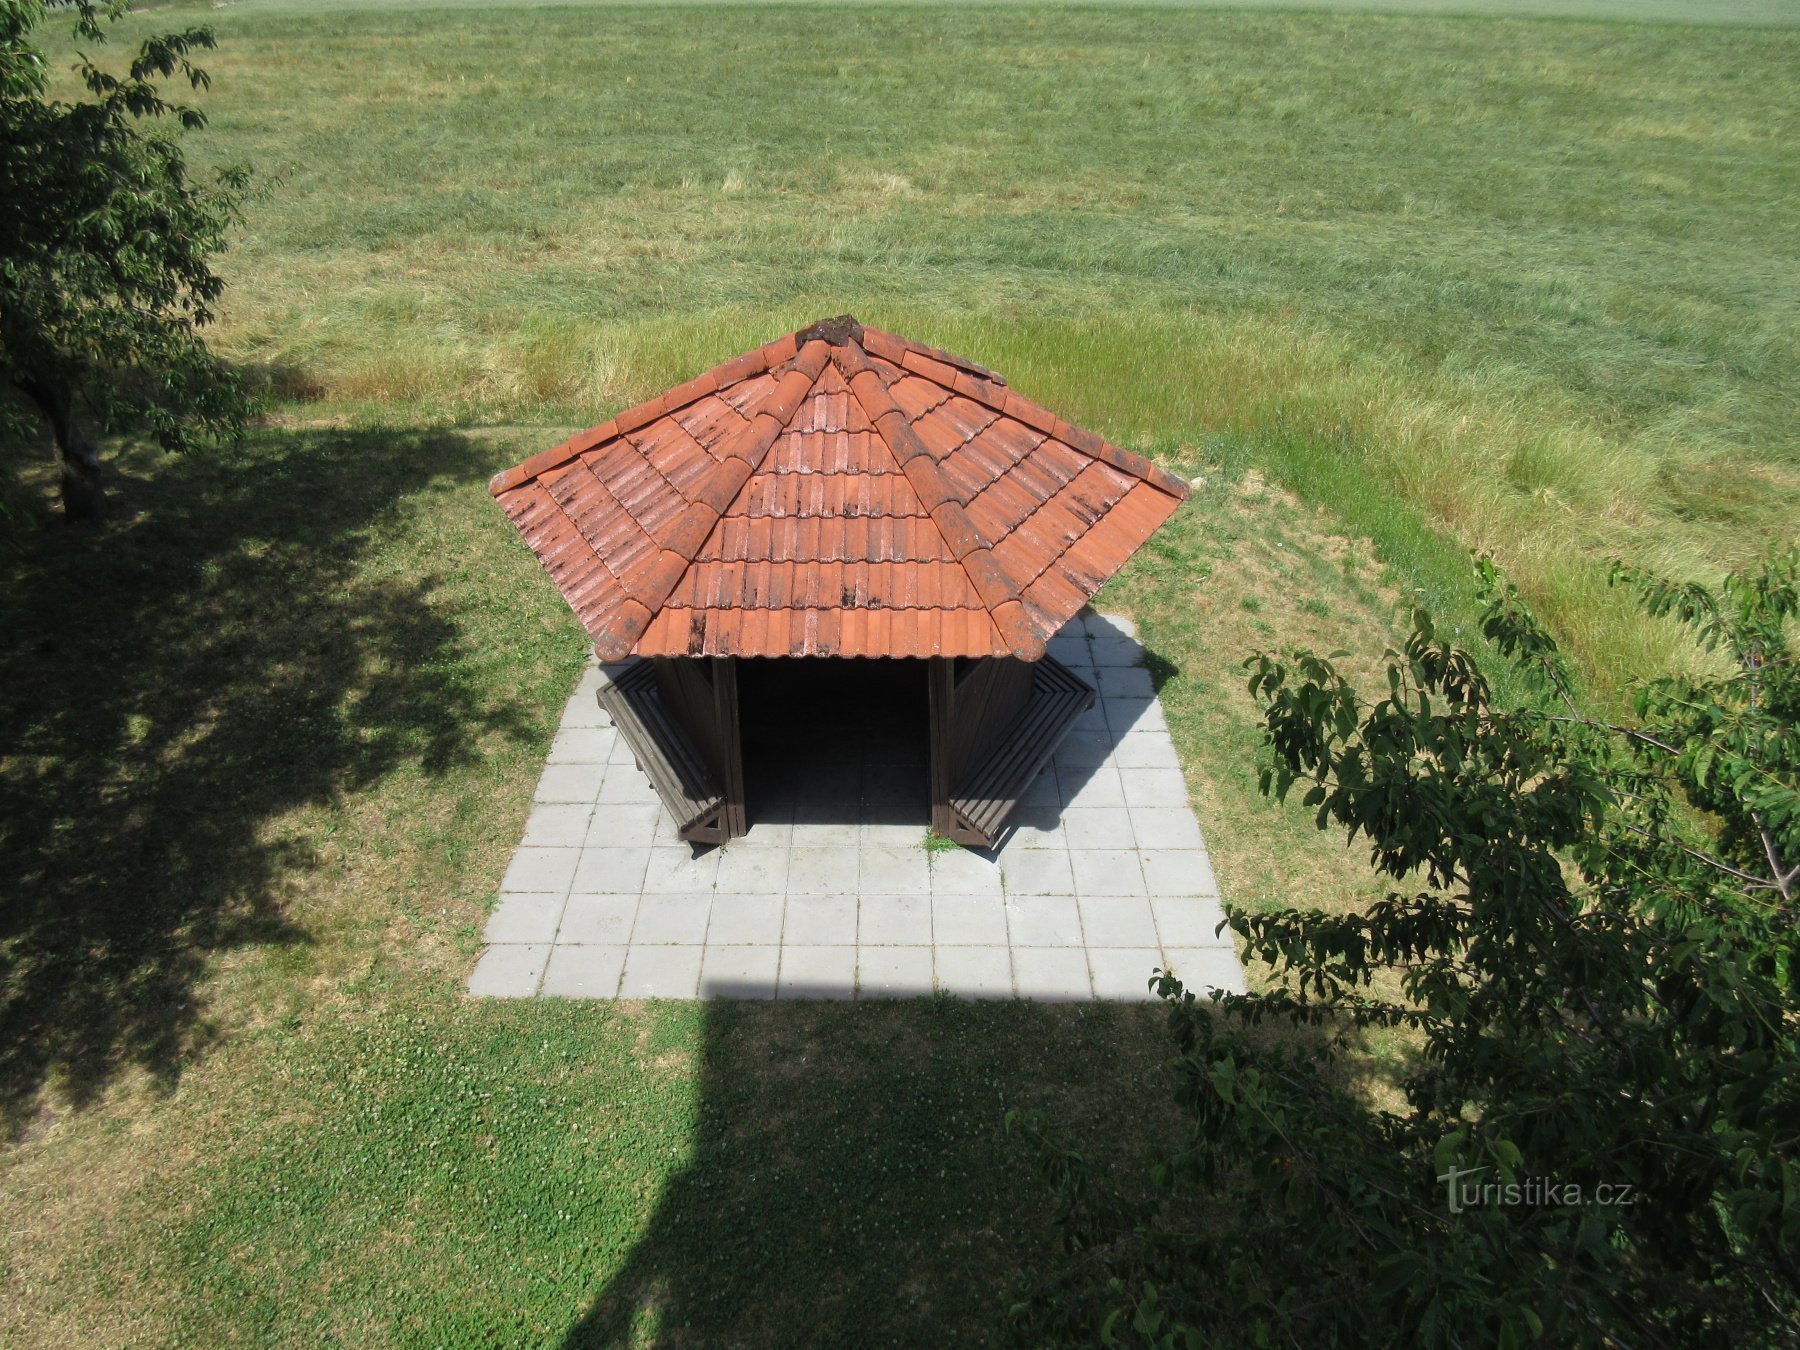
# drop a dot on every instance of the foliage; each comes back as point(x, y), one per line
point(1590, 933)
point(105, 244)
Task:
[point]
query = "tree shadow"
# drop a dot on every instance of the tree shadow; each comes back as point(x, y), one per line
point(850, 1180)
point(170, 685)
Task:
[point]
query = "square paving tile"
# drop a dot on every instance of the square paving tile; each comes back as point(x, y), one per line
point(611, 871)
point(524, 917)
point(893, 972)
point(1037, 872)
point(1099, 786)
point(1187, 921)
point(739, 972)
point(1117, 651)
point(509, 970)
point(752, 870)
point(663, 919)
point(1098, 827)
point(622, 825)
point(556, 825)
point(1107, 871)
point(975, 972)
point(624, 785)
point(1052, 975)
point(1153, 787)
point(583, 972)
point(823, 871)
point(661, 972)
point(678, 870)
point(1043, 921)
point(820, 920)
point(1203, 968)
point(541, 870)
point(968, 921)
point(1117, 921)
point(895, 870)
point(1179, 871)
point(582, 745)
point(961, 872)
point(1101, 874)
point(1145, 750)
point(817, 972)
point(570, 783)
point(745, 920)
point(1124, 973)
point(598, 919)
point(1158, 827)
point(894, 921)
point(1104, 626)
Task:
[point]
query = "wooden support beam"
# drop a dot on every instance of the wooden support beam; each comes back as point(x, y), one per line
point(731, 745)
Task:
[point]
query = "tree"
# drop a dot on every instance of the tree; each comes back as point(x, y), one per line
point(1592, 943)
point(105, 244)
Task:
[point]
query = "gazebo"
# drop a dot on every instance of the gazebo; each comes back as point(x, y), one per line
point(840, 493)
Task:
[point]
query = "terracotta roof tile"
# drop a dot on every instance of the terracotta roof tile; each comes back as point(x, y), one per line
point(840, 491)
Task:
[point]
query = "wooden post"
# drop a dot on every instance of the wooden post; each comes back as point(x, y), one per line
point(942, 678)
point(731, 745)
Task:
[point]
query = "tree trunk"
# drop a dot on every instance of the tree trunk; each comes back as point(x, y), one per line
point(83, 495)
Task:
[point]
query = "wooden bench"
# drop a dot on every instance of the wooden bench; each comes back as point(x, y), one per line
point(666, 753)
point(990, 791)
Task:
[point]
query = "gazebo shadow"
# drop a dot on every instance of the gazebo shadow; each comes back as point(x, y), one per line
point(211, 660)
point(849, 1180)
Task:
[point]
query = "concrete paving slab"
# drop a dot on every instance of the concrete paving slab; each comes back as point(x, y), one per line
point(746, 920)
point(661, 972)
point(598, 920)
point(1124, 973)
point(542, 870)
point(894, 972)
point(747, 870)
point(1043, 921)
point(1101, 877)
point(894, 921)
point(559, 826)
point(968, 921)
point(509, 970)
point(817, 972)
point(1204, 968)
point(1185, 921)
point(975, 972)
point(583, 972)
point(739, 972)
point(1052, 975)
point(1117, 921)
point(525, 917)
point(570, 783)
point(671, 918)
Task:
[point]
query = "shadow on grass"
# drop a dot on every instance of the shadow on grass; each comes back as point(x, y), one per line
point(170, 685)
point(850, 1181)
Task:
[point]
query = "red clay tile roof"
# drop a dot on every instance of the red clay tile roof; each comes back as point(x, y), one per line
point(839, 492)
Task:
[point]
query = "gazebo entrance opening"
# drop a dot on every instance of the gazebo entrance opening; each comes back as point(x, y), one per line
point(835, 741)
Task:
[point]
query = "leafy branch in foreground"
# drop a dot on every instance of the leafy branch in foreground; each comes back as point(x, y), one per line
point(105, 244)
point(1592, 943)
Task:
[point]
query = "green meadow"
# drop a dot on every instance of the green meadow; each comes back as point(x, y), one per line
point(1391, 281)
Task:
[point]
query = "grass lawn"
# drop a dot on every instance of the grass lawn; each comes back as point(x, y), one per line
point(1393, 286)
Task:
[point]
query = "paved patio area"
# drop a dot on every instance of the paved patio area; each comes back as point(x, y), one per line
point(1102, 878)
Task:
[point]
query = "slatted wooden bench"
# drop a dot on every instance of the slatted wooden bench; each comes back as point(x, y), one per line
point(988, 793)
point(666, 753)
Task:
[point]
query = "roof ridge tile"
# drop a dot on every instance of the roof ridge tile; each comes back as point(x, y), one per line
point(998, 591)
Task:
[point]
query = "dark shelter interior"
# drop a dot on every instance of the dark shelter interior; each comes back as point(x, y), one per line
point(835, 741)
